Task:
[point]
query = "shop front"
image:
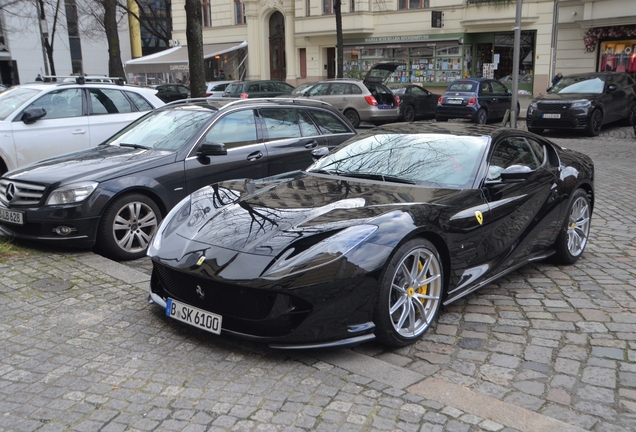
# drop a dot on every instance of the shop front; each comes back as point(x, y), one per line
point(436, 60)
point(616, 48)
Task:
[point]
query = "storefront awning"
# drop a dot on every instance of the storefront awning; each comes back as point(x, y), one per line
point(176, 59)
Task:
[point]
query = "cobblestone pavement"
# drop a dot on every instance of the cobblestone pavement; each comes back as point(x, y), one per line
point(546, 348)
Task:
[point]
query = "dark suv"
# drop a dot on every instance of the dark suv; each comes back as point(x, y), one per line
point(257, 89)
point(584, 102)
point(114, 196)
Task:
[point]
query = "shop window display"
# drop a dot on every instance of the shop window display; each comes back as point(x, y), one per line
point(432, 63)
point(618, 56)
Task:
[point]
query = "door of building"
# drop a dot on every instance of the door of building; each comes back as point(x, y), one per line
point(331, 62)
point(277, 68)
point(483, 54)
point(302, 56)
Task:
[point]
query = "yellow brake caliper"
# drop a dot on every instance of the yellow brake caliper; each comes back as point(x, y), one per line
point(422, 289)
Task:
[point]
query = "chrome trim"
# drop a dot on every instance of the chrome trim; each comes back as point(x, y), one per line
point(154, 298)
point(25, 193)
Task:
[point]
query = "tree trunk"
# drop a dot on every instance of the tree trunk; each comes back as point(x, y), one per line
point(337, 7)
point(48, 47)
point(115, 66)
point(194, 37)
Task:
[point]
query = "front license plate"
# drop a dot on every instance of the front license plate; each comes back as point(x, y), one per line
point(11, 216)
point(194, 316)
point(454, 101)
point(551, 116)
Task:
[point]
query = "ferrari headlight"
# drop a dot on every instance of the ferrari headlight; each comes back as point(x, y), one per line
point(169, 223)
point(581, 104)
point(72, 193)
point(322, 253)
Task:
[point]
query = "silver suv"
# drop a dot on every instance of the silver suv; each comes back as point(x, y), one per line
point(368, 100)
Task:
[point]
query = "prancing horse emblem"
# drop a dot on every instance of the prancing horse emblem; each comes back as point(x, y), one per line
point(479, 216)
point(200, 292)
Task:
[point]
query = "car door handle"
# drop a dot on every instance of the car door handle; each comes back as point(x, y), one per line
point(311, 144)
point(254, 156)
point(79, 131)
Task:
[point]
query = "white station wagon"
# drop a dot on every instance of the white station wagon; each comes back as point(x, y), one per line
point(42, 120)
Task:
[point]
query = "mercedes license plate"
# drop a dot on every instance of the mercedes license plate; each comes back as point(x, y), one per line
point(454, 101)
point(551, 116)
point(194, 316)
point(11, 216)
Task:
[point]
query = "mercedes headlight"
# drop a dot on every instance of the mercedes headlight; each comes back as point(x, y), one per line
point(322, 253)
point(72, 193)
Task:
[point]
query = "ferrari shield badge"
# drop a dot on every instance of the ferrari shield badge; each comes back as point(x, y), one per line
point(479, 216)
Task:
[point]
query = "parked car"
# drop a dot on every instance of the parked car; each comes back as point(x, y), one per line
point(257, 89)
point(172, 92)
point(584, 102)
point(371, 240)
point(416, 102)
point(115, 195)
point(477, 99)
point(41, 120)
point(216, 89)
point(303, 88)
point(368, 100)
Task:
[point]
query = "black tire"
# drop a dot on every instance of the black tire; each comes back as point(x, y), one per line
point(120, 235)
point(481, 117)
point(353, 118)
point(537, 131)
point(630, 120)
point(575, 231)
point(441, 119)
point(3, 168)
point(409, 113)
point(415, 303)
point(595, 123)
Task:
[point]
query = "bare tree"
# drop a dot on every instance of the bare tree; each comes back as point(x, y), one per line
point(337, 7)
point(105, 19)
point(194, 37)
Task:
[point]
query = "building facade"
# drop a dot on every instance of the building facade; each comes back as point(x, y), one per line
point(75, 50)
point(437, 40)
point(596, 35)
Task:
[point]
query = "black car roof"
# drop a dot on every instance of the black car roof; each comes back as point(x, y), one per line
point(451, 128)
point(204, 103)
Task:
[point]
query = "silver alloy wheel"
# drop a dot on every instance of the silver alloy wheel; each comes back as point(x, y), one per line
point(416, 291)
point(578, 226)
point(134, 226)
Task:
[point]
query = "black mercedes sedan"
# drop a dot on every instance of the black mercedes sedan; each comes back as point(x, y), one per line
point(115, 195)
point(372, 239)
point(584, 102)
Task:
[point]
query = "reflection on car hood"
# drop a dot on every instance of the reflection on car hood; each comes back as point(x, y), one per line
point(96, 164)
point(265, 217)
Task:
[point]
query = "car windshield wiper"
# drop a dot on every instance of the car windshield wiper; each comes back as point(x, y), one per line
point(324, 171)
point(382, 177)
point(135, 146)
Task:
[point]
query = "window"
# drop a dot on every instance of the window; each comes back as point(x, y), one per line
point(413, 4)
point(319, 90)
point(141, 103)
point(307, 7)
point(239, 13)
point(206, 16)
point(498, 89)
point(352, 6)
point(307, 126)
point(513, 151)
point(328, 123)
point(61, 103)
point(234, 130)
point(281, 123)
point(339, 89)
point(327, 7)
point(105, 101)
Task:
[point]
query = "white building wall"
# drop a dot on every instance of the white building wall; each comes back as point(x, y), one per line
point(24, 43)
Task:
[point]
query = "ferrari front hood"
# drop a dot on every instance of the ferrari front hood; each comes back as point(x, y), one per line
point(264, 218)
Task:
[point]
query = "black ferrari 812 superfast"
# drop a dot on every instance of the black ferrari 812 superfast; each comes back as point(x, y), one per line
point(373, 238)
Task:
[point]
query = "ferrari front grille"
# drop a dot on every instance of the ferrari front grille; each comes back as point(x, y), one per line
point(224, 299)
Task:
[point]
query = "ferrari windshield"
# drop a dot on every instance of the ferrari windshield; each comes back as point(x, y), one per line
point(167, 129)
point(579, 84)
point(439, 160)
